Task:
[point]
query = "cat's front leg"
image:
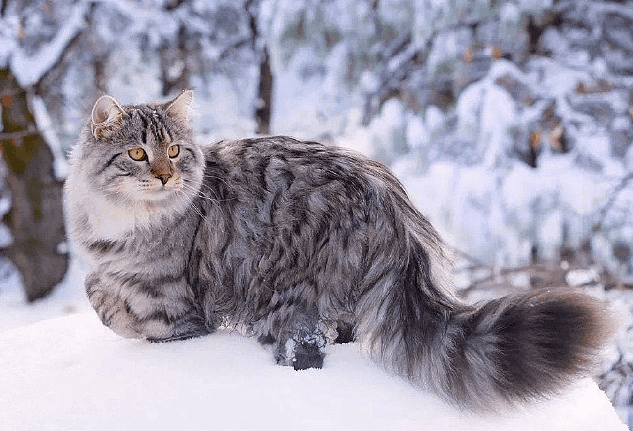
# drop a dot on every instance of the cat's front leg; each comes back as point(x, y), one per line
point(111, 307)
point(131, 312)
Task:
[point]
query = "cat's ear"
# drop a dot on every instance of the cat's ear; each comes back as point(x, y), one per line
point(106, 117)
point(181, 107)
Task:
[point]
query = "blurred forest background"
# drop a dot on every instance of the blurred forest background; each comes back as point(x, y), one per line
point(509, 122)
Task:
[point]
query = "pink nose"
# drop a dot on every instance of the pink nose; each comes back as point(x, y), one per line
point(163, 177)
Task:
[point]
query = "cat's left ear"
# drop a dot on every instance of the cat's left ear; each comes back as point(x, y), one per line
point(181, 107)
point(106, 116)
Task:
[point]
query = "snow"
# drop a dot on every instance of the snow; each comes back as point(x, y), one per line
point(72, 373)
point(67, 298)
point(45, 126)
point(327, 61)
point(578, 277)
point(28, 69)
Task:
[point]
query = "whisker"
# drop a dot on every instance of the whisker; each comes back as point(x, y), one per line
point(206, 196)
point(191, 204)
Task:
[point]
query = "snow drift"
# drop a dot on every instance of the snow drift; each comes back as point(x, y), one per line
point(71, 373)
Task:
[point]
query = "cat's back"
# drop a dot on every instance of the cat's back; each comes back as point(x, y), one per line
point(261, 191)
point(271, 163)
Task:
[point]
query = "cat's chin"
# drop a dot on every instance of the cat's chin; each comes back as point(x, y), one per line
point(163, 202)
point(151, 199)
point(159, 195)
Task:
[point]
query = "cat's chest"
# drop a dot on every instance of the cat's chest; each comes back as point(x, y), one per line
point(133, 239)
point(109, 222)
point(140, 252)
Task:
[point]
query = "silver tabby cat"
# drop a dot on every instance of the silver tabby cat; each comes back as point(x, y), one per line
point(301, 245)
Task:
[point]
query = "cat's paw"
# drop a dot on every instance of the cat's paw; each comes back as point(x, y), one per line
point(307, 355)
point(114, 314)
point(192, 333)
point(300, 355)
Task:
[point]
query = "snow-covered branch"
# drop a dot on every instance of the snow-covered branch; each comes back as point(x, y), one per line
point(30, 68)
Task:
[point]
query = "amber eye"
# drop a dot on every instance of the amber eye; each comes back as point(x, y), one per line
point(173, 150)
point(137, 154)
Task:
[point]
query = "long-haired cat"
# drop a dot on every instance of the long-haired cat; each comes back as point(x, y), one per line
point(299, 244)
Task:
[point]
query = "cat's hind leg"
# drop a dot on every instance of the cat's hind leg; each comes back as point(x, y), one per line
point(293, 326)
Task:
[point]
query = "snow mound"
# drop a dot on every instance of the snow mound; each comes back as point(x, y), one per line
point(72, 373)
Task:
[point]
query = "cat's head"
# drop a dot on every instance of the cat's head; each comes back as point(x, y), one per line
point(141, 155)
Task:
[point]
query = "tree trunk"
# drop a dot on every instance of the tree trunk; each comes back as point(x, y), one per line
point(36, 218)
point(265, 95)
point(264, 100)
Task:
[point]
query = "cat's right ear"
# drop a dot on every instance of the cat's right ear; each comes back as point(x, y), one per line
point(181, 107)
point(106, 117)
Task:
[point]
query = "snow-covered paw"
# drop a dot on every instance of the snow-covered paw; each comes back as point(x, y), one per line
point(300, 355)
point(307, 355)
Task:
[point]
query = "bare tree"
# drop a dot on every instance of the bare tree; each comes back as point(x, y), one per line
point(36, 218)
point(265, 87)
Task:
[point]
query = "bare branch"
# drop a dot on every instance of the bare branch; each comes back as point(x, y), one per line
point(624, 182)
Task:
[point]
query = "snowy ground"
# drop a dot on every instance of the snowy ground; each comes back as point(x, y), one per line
point(67, 298)
point(71, 373)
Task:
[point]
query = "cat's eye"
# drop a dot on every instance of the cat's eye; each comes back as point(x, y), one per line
point(173, 150)
point(137, 154)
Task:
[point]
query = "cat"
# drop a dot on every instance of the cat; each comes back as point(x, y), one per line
point(301, 245)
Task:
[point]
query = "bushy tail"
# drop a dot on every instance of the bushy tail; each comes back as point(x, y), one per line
point(511, 349)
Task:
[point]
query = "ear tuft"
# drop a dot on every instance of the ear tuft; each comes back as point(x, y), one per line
point(181, 107)
point(106, 117)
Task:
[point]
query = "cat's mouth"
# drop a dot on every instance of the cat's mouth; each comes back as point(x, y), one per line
point(156, 190)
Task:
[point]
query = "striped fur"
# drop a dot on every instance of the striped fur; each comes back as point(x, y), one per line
point(296, 243)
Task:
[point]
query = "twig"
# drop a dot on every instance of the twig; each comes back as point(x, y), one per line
point(624, 182)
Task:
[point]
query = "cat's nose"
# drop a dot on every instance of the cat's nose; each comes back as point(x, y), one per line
point(162, 170)
point(163, 177)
